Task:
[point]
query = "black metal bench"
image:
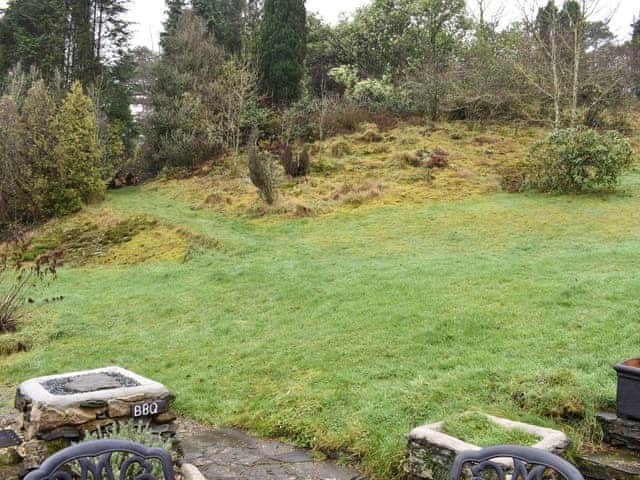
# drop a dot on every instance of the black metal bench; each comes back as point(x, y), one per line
point(528, 464)
point(95, 461)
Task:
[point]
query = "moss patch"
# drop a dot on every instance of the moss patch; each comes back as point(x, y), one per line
point(101, 237)
point(477, 429)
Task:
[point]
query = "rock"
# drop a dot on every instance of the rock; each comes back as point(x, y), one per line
point(620, 432)
point(190, 472)
point(43, 419)
point(163, 418)
point(68, 433)
point(34, 453)
point(609, 465)
point(78, 416)
point(93, 404)
point(92, 382)
point(118, 408)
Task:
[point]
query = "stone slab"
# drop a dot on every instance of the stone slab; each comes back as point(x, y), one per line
point(34, 391)
point(432, 452)
point(619, 432)
point(610, 464)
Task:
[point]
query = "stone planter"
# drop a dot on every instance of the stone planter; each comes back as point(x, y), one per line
point(628, 398)
point(432, 452)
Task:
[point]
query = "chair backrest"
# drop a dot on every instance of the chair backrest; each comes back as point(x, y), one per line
point(528, 464)
point(95, 461)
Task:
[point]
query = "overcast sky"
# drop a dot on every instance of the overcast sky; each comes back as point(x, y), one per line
point(148, 14)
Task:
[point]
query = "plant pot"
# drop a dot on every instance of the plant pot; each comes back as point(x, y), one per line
point(628, 398)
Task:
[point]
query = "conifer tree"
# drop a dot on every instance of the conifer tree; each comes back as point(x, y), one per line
point(77, 153)
point(635, 57)
point(224, 20)
point(38, 115)
point(282, 49)
point(174, 12)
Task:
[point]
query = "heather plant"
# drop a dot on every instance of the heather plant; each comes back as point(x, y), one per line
point(578, 160)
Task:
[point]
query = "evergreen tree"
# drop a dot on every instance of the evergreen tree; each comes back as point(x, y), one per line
point(77, 153)
point(14, 189)
point(174, 12)
point(282, 49)
point(74, 38)
point(635, 57)
point(224, 19)
point(38, 115)
point(32, 32)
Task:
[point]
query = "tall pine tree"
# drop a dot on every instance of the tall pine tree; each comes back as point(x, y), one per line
point(74, 38)
point(635, 56)
point(174, 12)
point(224, 19)
point(282, 49)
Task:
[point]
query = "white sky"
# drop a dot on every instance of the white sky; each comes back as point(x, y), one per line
point(148, 14)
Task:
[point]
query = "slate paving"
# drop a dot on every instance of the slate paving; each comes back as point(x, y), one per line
point(228, 454)
point(225, 454)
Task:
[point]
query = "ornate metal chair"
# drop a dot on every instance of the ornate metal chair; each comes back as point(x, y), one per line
point(494, 463)
point(106, 460)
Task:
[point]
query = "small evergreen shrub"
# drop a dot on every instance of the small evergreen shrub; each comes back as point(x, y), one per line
point(578, 160)
point(263, 174)
point(295, 165)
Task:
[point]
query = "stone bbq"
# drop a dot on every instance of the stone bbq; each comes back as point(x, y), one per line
point(62, 408)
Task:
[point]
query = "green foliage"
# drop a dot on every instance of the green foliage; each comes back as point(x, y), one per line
point(578, 160)
point(133, 431)
point(224, 20)
point(202, 101)
point(173, 13)
point(282, 49)
point(77, 154)
point(263, 173)
point(62, 37)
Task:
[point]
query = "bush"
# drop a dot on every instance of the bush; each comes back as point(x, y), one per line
point(295, 165)
point(263, 174)
point(578, 160)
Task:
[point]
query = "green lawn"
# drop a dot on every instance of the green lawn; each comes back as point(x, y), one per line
point(346, 331)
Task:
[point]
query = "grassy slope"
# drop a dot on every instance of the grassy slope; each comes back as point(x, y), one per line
point(345, 331)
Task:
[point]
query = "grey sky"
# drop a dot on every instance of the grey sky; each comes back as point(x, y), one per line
point(148, 14)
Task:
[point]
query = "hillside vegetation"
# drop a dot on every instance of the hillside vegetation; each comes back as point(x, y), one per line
point(342, 317)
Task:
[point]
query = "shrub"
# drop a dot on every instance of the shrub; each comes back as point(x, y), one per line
point(340, 149)
point(263, 174)
point(135, 432)
point(295, 165)
point(578, 160)
point(77, 153)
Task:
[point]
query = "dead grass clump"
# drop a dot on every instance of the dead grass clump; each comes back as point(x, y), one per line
point(371, 133)
point(483, 140)
point(439, 159)
point(408, 159)
point(357, 194)
point(513, 177)
point(340, 148)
